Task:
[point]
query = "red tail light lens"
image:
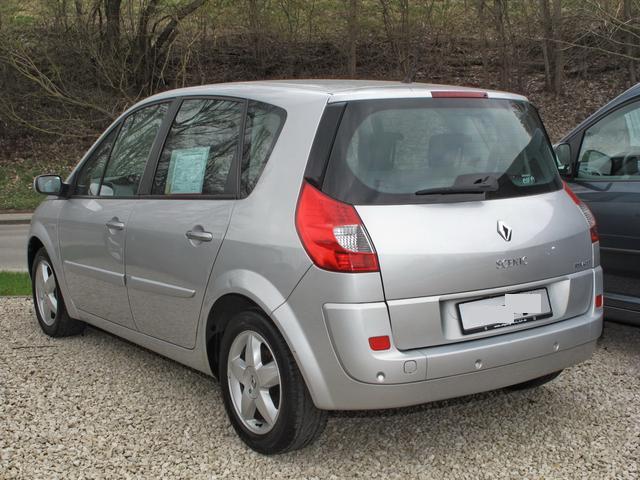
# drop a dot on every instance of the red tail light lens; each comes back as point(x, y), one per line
point(380, 343)
point(588, 215)
point(333, 234)
point(598, 301)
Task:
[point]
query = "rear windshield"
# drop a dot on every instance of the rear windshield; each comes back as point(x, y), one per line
point(386, 151)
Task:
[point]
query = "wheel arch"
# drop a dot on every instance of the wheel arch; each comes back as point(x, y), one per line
point(220, 314)
point(33, 246)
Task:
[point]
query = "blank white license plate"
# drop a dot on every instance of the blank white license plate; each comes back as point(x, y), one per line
point(504, 310)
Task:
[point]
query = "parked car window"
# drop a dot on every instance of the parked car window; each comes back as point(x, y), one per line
point(88, 180)
point(131, 151)
point(263, 126)
point(200, 149)
point(611, 147)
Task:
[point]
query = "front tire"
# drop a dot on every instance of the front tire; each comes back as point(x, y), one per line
point(264, 393)
point(48, 301)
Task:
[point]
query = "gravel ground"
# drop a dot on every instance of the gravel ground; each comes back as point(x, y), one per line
point(95, 406)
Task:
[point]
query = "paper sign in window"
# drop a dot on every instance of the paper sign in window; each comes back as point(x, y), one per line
point(186, 170)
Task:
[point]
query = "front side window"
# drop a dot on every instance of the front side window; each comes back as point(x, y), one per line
point(263, 125)
point(410, 150)
point(88, 180)
point(611, 148)
point(131, 151)
point(200, 148)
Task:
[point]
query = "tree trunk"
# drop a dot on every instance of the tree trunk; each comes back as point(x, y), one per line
point(408, 65)
point(256, 35)
point(559, 50)
point(352, 27)
point(481, 9)
point(399, 35)
point(500, 7)
point(152, 44)
point(629, 40)
point(112, 31)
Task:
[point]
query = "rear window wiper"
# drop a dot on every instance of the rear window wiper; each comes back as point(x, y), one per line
point(455, 190)
point(465, 184)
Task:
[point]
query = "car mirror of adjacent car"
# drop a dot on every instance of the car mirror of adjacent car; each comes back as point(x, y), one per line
point(563, 159)
point(49, 185)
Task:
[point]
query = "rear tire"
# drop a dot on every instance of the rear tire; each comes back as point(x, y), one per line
point(48, 301)
point(536, 382)
point(258, 374)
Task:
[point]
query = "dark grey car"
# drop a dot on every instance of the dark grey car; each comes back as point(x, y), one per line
point(600, 158)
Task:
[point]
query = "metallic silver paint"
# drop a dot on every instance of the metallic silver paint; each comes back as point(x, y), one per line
point(93, 256)
point(325, 362)
point(325, 317)
point(435, 249)
point(433, 320)
point(167, 273)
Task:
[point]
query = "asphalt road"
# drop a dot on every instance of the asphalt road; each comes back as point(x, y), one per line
point(13, 247)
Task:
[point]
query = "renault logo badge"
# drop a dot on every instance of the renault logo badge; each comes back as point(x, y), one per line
point(504, 230)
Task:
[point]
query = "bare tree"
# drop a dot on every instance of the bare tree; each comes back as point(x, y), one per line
point(112, 20)
point(156, 30)
point(352, 36)
point(627, 7)
point(552, 45)
point(254, 21)
point(559, 49)
point(500, 17)
point(395, 15)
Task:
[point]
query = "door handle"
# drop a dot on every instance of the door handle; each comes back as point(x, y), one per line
point(115, 224)
point(199, 235)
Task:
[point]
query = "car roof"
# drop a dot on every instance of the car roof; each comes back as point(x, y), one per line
point(625, 96)
point(286, 92)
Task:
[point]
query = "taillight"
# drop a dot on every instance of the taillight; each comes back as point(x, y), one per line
point(380, 343)
point(588, 215)
point(598, 301)
point(332, 233)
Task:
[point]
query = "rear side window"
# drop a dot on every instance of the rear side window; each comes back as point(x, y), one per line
point(263, 125)
point(388, 150)
point(88, 180)
point(131, 151)
point(200, 148)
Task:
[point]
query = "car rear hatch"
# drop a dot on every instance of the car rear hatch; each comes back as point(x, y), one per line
point(462, 201)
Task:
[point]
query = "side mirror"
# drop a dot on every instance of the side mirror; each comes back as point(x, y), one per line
point(563, 158)
point(48, 184)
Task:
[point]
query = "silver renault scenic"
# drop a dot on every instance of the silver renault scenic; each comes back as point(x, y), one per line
point(325, 245)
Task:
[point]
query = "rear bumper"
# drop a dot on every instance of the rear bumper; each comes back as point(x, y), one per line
point(472, 367)
point(330, 343)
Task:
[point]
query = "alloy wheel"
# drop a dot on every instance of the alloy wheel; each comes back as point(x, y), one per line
point(46, 292)
point(254, 382)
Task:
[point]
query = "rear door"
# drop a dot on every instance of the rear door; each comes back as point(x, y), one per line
point(93, 221)
point(177, 228)
point(458, 195)
point(608, 180)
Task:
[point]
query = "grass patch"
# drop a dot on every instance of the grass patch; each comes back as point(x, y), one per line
point(16, 185)
point(21, 161)
point(15, 284)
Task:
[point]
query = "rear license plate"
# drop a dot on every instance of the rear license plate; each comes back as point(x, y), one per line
point(504, 310)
